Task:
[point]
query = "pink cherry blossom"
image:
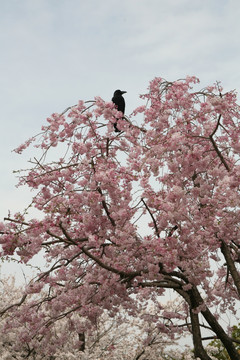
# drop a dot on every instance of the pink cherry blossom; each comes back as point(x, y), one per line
point(126, 216)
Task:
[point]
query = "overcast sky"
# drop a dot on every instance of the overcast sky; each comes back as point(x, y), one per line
point(55, 52)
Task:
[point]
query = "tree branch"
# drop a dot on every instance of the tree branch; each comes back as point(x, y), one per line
point(215, 145)
point(122, 274)
point(219, 153)
point(153, 219)
point(230, 265)
point(218, 123)
point(106, 208)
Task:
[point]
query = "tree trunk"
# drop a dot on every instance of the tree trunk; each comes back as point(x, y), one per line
point(199, 351)
point(216, 327)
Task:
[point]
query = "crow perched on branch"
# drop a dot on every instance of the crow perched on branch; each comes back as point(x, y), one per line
point(119, 101)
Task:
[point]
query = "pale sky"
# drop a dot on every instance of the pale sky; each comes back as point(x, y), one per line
point(56, 52)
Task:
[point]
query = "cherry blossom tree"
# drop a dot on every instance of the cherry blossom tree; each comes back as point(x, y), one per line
point(124, 217)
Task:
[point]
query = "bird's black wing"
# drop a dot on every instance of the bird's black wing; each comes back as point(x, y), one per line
point(119, 102)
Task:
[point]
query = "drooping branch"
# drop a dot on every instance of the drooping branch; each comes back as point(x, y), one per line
point(216, 147)
point(230, 265)
point(153, 219)
point(219, 153)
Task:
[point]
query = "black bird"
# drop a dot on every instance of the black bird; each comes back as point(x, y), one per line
point(119, 101)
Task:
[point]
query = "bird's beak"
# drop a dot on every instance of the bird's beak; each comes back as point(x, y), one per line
point(123, 92)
